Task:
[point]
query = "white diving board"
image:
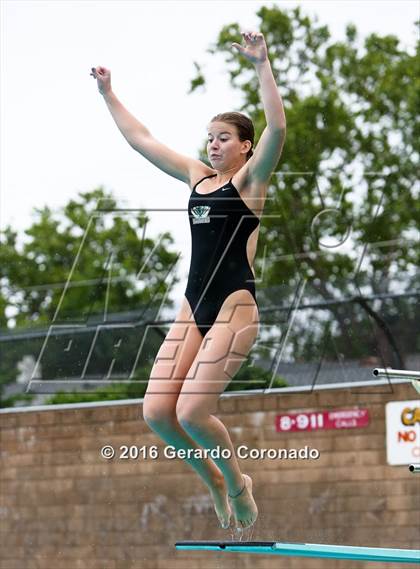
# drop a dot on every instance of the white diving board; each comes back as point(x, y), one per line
point(383, 555)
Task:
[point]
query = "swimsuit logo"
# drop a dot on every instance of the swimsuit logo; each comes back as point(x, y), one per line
point(201, 214)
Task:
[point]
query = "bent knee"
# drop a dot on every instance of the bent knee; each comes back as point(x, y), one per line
point(188, 417)
point(155, 413)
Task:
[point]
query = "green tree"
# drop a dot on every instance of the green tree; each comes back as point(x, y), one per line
point(345, 190)
point(78, 265)
point(62, 272)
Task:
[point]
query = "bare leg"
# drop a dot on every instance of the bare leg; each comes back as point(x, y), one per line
point(211, 433)
point(159, 408)
point(223, 351)
point(172, 433)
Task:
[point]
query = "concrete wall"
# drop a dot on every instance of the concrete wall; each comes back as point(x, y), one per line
point(65, 507)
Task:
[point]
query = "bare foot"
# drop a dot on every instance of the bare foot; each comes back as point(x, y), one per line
point(244, 506)
point(221, 503)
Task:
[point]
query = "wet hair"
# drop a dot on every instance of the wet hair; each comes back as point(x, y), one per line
point(243, 125)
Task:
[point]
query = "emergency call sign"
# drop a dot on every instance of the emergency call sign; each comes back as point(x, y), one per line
point(320, 420)
point(403, 432)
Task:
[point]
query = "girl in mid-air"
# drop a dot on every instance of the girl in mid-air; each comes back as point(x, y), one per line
point(218, 320)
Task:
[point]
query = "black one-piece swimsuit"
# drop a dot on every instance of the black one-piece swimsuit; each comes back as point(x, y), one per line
point(221, 224)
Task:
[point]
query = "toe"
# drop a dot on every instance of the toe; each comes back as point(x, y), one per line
point(224, 523)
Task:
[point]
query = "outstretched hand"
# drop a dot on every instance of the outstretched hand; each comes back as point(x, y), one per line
point(255, 49)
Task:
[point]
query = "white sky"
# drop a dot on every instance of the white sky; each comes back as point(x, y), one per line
point(57, 135)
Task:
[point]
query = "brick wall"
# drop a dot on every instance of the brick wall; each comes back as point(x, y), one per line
point(65, 507)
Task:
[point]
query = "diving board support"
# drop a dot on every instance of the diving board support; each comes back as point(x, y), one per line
point(397, 373)
point(390, 373)
point(384, 555)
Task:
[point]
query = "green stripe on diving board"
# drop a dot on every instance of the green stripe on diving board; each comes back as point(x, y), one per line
point(308, 550)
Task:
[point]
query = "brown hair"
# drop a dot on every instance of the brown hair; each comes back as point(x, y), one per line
point(243, 125)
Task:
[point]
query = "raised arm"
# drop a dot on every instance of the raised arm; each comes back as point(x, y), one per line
point(139, 137)
point(267, 153)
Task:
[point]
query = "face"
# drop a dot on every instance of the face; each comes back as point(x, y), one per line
point(223, 144)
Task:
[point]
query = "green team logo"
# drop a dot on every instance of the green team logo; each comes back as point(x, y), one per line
point(201, 214)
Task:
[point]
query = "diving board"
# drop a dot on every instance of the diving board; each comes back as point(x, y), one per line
point(384, 555)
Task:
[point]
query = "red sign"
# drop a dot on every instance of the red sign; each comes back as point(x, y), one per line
point(321, 420)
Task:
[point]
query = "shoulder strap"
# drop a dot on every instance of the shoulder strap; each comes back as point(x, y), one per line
point(205, 177)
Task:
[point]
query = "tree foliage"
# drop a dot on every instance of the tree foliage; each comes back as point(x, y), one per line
point(85, 263)
point(343, 210)
point(76, 249)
